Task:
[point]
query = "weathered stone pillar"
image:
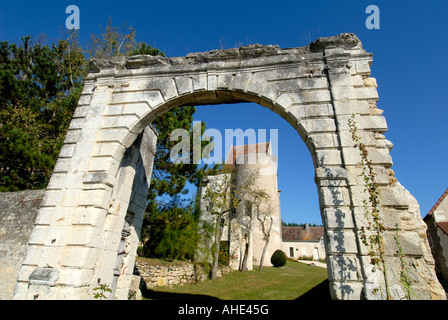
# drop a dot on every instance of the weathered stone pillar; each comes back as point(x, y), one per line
point(352, 277)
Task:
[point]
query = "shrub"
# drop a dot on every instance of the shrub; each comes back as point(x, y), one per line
point(278, 258)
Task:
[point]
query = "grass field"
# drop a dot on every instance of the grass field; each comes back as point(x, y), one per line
point(294, 281)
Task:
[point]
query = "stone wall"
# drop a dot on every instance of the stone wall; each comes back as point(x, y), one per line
point(159, 274)
point(18, 211)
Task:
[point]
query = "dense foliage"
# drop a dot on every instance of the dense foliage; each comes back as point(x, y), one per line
point(39, 89)
point(171, 231)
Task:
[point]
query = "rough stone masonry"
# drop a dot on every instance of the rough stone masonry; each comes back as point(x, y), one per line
point(88, 226)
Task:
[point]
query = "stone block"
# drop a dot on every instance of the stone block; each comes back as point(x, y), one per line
point(374, 123)
point(57, 181)
point(45, 216)
point(113, 149)
point(153, 98)
point(44, 277)
point(410, 243)
point(75, 277)
point(338, 218)
point(363, 67)
point(184, 85)
point(355, 178)
point(343, 268)
point(62, 165)
point(301, 112)
point(366, 93)
point(122, 121)
point(199, 82)
point(38, 235)
point(50, 256)
point(33, 255)
point(341, 290)
point(103, 164)
point(367, 138)
point(137, 109)
point(340, 80)
point(285, 100)
point(313, 83)
point(357, 81)
point(79, 257)
point(256, 84)
point(331, 173)
point(394, 197)
point(311, 126)
point(343, 93)
point(51, 198)
point(85, 235)
point(80, 112)
point(332, 196)
point(327, 158)
point(76, 123)
point(352, 156)
point(241, 80)
point(89, 216)
point(67, 150)
point(96, 198)
point(224, 81)
point(57, 235)
point(69, 198)
point(321, 141)
point(341, 241)
point(113, 235)
point(369, 82)
point(212, 80)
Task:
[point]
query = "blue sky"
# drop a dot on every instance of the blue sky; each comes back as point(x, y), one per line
point(409, 62)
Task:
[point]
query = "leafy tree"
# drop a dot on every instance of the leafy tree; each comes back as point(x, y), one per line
point(39, 89)
point(225, 200)
point(171, 231)
point(220, 202)
point(112, 41)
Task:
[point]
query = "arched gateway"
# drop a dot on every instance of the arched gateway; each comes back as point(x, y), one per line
point(87, 229)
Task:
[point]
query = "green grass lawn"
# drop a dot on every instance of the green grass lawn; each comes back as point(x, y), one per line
point(294, 280)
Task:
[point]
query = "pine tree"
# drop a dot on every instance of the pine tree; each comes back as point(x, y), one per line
point(39, 89)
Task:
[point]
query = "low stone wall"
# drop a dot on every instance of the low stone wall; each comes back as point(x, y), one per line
point(157, 273)
point(18, 211)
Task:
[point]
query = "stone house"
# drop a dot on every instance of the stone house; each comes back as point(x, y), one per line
point(437, 222)
point(303, 242)
point(245, 160)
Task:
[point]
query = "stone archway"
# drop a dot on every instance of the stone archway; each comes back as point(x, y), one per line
point(94, 203)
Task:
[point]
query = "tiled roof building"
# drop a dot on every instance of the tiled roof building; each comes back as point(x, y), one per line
point(437, 221)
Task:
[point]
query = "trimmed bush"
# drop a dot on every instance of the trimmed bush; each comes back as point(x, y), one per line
point(278, 258)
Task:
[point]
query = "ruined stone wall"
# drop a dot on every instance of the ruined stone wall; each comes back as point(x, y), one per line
point(169, 274)
point(18, 211)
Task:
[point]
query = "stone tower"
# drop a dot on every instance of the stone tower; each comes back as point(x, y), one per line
point(244, 229)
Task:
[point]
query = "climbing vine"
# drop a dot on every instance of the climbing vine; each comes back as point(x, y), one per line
point(405, 279)
point(372, 234)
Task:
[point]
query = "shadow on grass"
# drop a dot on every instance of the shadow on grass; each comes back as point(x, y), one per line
point(157, 295)
point(319, 292)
